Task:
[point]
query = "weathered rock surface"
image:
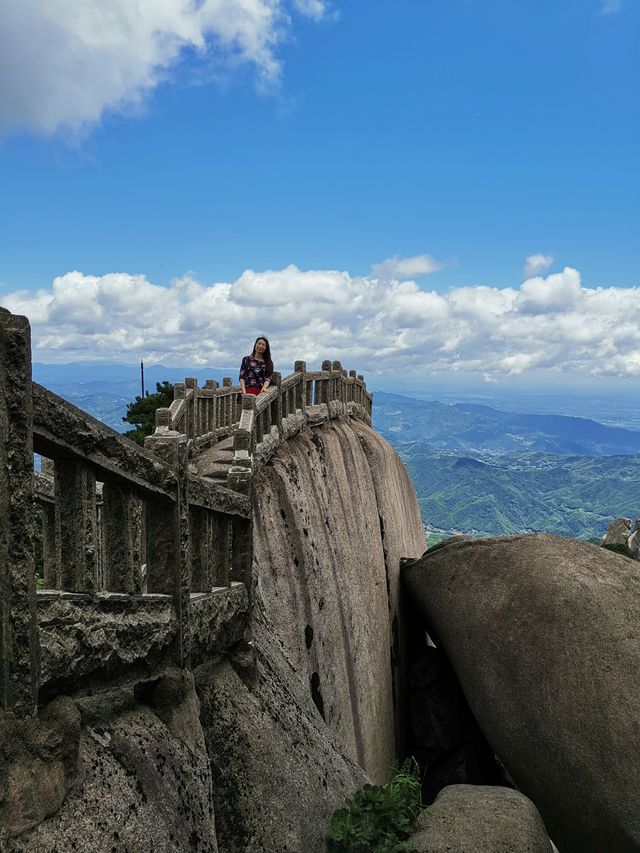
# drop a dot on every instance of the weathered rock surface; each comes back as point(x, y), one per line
point(38, 764)
point(480, 819)
point(278, 773)
point(334, 511)
point(144, 785)
point(618, 532)
point(544, 636)
point(444, 736)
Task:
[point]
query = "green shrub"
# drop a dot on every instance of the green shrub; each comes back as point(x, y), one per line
point(142, 412)
point(619, 549)
point(379, 819)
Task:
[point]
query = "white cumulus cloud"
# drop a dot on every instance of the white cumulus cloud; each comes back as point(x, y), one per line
point(536, 264)
point(397, 267)
point(63, 63)
point(550, 323)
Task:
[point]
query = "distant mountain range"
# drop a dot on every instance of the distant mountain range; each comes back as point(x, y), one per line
point(472, 427)
point(105, 390)
point(483, 471)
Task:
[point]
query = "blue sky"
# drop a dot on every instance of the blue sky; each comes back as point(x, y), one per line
point(466, 135)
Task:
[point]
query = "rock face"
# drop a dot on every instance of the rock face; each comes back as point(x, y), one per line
point(544, 636)
point(278, 773)
point(334, 512)
point(38, 764)
point(480, 819)
point(145, 783)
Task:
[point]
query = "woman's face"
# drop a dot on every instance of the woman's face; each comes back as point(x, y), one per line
point(261, 346)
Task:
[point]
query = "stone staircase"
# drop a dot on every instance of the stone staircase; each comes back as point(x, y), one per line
point(215, 462)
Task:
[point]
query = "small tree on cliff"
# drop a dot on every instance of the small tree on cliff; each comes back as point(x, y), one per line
point(142, 412)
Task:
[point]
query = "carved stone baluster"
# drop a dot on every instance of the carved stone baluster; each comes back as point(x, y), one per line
point(221, 535)
point(275, 406)
point(301, 388)
point(241, 551)
point(49, 550)
point(76, 525)
point(121, 537)
point(323, 386)
point(201, 550)
point(228, 410)
point(352, 386)
point(211, 385)
point(191, 422)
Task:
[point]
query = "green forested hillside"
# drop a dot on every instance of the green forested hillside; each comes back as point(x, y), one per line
point(571, 495)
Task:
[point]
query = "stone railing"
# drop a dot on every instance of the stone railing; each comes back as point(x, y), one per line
point(204, 415)
point(142, 579)
point(260, 424)
point(300, 399)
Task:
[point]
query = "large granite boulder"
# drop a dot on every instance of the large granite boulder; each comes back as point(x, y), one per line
point(480, 819)
point(544, 636)
point(334, 511)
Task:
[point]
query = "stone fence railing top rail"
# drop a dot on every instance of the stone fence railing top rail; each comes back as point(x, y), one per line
point(204, 415)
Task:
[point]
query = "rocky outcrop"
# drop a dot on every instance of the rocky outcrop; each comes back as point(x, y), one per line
point(480, 819)
point(333, 513)
point(38, 764)
point(544, 636)
point(619, 533)
point(144, 782)
point(278, 773)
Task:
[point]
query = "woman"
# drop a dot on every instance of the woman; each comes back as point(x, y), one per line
point(256, 369)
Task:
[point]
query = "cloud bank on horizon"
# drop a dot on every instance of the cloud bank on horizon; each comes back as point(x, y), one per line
point(373, 323)
point(64, 64)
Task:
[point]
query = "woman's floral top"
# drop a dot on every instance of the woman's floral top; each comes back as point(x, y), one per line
point(253, 372)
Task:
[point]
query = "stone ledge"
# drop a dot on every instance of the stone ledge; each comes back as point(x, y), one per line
point(89, 640)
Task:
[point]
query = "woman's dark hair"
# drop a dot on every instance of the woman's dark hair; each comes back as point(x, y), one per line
point(268, 364)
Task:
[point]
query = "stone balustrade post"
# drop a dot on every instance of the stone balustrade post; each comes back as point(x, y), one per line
point(122, 534)
point(301, 390)
point(163, 418)
point(49, 549)
point(169, 543)
point(275, 406)
point(336, 368)
point(227, 403)
point(221, 535)
point(361, 399)
point(324, 386)
point(19, 645)
point(202, 579)
point(76, 525)
point(242, 551)
point(352, 386)
point(211, 403)
point(191, 412)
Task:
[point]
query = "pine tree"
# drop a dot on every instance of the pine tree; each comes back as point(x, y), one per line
point(142, 412)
